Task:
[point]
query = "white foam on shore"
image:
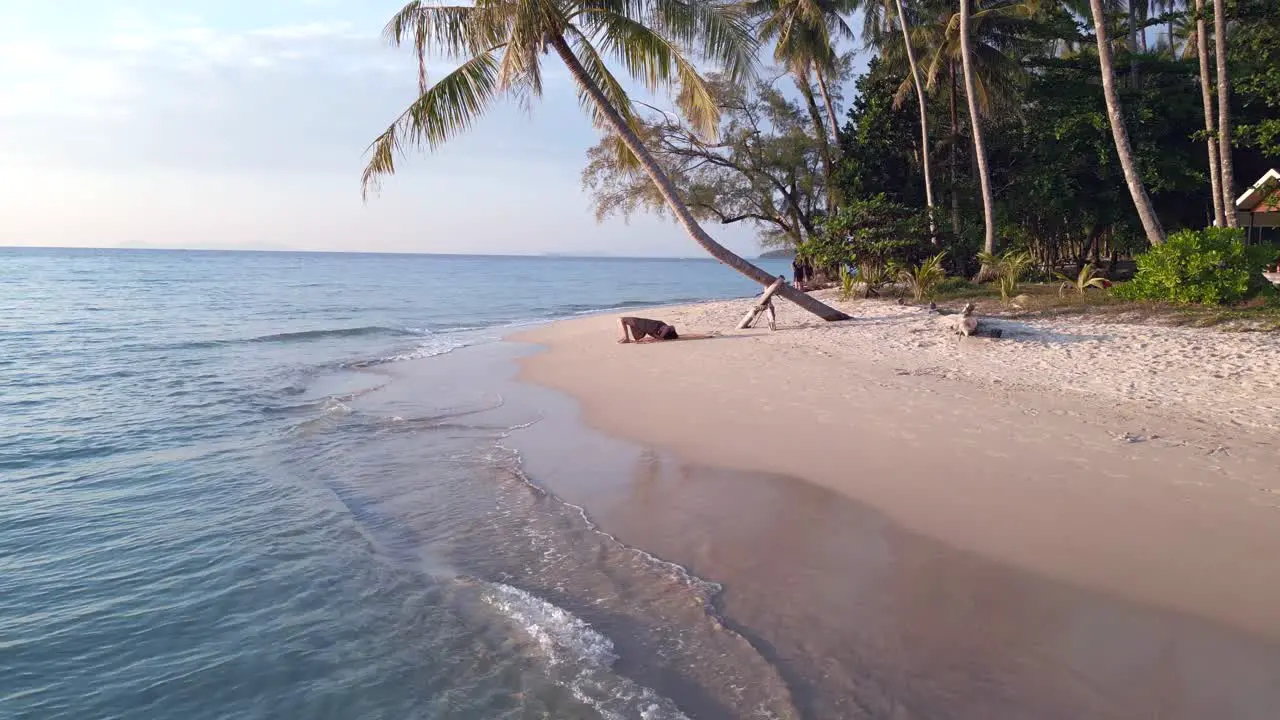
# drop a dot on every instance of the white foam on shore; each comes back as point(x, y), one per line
point(579, 657)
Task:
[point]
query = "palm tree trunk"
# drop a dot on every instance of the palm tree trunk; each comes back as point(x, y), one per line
point(1150, 223)
point(924, 124)
point(1133, 43)
point(955, 150)
point(826, 98)
point(820, 133)
point(975, 126)
point(1206, 99)
point(668, 191)
point(1224, 112)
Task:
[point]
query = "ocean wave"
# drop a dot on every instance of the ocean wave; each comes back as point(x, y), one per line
point(304, 335)
point(431, 348)
point(579, 657)
point(624, 304)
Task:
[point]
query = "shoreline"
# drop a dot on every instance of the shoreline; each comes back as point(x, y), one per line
point(1154, 503)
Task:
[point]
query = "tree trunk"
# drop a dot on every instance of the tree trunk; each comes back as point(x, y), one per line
point(1224, 112)
point(1206, 99)
point(826, 98)
point(1133, 43)
point(924, 124)
point(955, 150)
point(975, 126)
point(820, 133)
point(668, 191)
point(1150, 223)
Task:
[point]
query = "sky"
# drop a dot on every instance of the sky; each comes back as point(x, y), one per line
point(242, 124)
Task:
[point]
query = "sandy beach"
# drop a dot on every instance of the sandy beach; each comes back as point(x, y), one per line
point(1126, 463)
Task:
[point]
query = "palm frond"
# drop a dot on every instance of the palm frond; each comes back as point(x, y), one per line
point(719, 33)
point(599, 73)
point(655, 61)
point(447, 108)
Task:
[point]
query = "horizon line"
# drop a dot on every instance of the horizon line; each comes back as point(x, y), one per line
point(547, 255)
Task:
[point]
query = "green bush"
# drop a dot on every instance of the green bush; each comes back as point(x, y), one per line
point(1210, 266)
point(873, 232)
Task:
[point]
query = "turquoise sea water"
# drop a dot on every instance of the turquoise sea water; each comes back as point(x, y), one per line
point(243, 485)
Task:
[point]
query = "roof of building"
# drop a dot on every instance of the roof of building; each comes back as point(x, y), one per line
point(1260, 191)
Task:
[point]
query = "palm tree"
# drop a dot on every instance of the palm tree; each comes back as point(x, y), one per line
point(1206, 98)
point(1224, 112)
point(924, 120)
point(979, 150)
point(501, 44)
point(804, 33)
point(1150, 223)
point(999, 38)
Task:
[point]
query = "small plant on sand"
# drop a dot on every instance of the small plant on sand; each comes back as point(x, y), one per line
point(1088, 278)
point(847, 280)
point(923, 279)
point(872, 275)
point(1008, 269)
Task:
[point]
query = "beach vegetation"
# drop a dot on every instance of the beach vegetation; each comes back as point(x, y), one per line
point(923, 279)
point(1212, 266)
point(1088, 277)
point(1008, 270)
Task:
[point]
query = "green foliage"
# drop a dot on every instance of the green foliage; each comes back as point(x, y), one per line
point(871, 233)
point(1209, 267)
point(873, 276)
point(1009, 270)
point(923, 279)
point(879, 139)
point(847, 281)
point(1255, 59)
point(764, 171)
point(1087, 278)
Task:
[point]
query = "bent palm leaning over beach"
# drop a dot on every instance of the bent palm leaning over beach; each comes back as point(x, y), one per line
point(501, 44)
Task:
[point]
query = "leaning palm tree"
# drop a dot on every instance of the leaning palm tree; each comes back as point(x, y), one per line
point(1206, 99)
point(1224, 112)
point(501, 44)
point(1150, 223)
point(979, 149)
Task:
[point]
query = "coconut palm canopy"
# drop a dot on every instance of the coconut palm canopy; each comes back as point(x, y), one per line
point(501, 45)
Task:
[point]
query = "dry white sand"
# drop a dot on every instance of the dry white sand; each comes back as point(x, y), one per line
point(1134, 460)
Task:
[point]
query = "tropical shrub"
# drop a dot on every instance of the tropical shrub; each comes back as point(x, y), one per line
point(870, 233)
point(1009, 269)
point(1212, 266)
point(923, 279)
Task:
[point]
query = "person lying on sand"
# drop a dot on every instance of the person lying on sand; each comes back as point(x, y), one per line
point(645, 330)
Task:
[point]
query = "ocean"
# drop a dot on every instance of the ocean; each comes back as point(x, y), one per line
point(285, 485)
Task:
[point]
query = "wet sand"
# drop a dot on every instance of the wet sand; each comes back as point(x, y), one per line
point(912, 546)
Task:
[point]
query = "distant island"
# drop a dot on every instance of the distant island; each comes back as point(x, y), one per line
point(783, 254)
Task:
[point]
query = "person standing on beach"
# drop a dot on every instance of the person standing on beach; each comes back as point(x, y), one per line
point(800, 271)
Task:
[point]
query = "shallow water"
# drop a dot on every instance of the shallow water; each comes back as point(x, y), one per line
point(233, 485)
point(240, 485)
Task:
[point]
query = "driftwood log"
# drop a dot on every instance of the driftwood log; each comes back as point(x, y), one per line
point(763, 304)
point(966, 325)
